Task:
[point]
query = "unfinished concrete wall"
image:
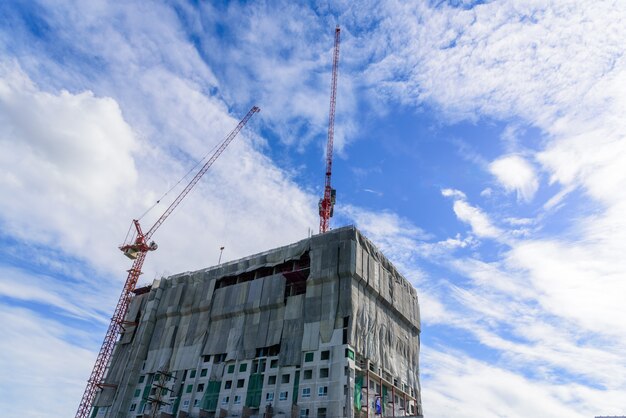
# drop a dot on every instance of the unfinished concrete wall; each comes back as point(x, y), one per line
point(270, 331)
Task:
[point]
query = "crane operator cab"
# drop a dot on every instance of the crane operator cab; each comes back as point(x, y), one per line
point(333, 199)
point(132, 250)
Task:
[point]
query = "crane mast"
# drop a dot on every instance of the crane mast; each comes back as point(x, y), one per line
point(327, 203)
point(137, 251)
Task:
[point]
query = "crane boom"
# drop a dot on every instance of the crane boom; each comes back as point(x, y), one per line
point(138, 251)
point(327, 203)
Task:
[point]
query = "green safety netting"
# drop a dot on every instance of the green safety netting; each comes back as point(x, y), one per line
point(358, 385)
point(211, 395)
point(255, 388)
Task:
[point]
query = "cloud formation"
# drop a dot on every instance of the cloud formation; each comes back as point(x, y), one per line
point(480, 223)
point(71, 158)
point(515, 174)
point(98, 129)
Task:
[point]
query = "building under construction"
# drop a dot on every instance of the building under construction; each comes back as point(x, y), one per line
point(325, 327)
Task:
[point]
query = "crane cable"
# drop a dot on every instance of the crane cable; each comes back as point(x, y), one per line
point(179, 181)
point(171, 188)
point(128, 233)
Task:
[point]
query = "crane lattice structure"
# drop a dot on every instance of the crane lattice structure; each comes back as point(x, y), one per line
point(327, 203)
point(137, 251)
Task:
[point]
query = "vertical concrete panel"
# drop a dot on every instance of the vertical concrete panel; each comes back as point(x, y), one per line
point(358, 260)
point(291, 343)
point(234, 345)
point(311, 336)
point(275, 328)
point(250, 341)
point(329, 309)
point(262, 329)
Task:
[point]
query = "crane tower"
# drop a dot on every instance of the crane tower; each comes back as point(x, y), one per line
point(137, 251)
point(327, 203)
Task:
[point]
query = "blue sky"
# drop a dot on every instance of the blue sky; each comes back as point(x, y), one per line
point(480, 145)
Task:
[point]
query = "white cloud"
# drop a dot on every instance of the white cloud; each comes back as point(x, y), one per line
point(82, 192)
point(581, 282)
point(486, 192)
point(512, 59)
point(42, 359)
point(285, 63)
point(70, 160)
point(510, 136)
point(75, 299)
point(456, 242)
point(529, 340)
point(515, 174)
point(519, 221)
point(457, 385)
point(480, 223)
point(590, 154)
point(78, 141)
point(374, 192)
point(525, 61)
point(83, 164)
point(499, 309)
point(515, 60)
point(500, 60)
point(457, 194)
point(396, 236)
point(557, 200)
point(382, 224)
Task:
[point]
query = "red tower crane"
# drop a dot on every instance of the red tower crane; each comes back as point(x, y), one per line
point(137, 251)
point(327, 203)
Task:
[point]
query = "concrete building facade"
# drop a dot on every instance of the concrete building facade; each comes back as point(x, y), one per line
point(325, 327)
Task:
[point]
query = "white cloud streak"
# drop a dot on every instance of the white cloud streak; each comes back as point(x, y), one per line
point(44, 363)
point(480, 223)
point(515, 174)
point(460, 385)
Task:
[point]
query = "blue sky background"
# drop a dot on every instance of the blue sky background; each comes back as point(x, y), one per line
point(480, 145)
